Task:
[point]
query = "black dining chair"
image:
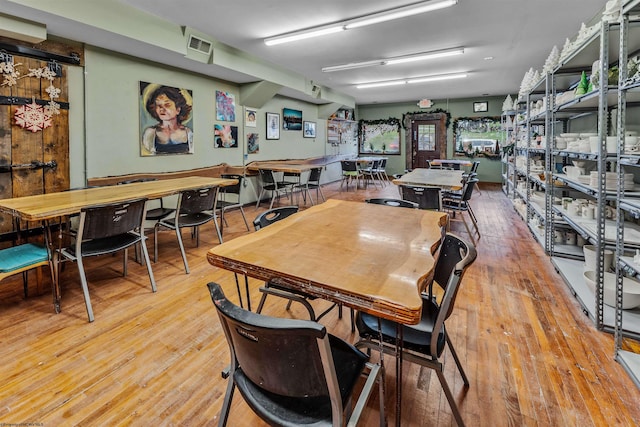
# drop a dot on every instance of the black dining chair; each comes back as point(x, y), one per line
point(104, 230)
point(313, 183)
point(293, 372)
point(426, 197)
point(350, 172)
point(425, 342)
point(195, 208)
point(230, 197)
point(276, 187)
point(455, 203)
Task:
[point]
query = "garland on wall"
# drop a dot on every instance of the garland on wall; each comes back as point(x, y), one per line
point(391, 121)
point(436, 111)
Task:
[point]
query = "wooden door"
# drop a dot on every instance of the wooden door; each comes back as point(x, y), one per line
point(36, 160)
point(426, 136)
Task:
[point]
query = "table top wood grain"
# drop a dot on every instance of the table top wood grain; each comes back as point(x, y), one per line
point(369, 257)
point(445, 179)
point(52, 205)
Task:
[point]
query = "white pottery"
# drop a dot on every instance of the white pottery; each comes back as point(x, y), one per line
point(630, 289)
point(590, 258)
point(572, 171)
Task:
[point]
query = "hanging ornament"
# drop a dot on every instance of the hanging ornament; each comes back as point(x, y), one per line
point(32, 117)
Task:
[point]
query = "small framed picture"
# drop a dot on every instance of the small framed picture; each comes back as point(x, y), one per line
point(309, 129)
point(480, 107)
point(273, 126)
point(250, 118)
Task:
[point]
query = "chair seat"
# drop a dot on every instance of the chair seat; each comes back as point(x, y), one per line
point(305, 411)
point(17, 257)
point(106, 245)
point(189, 220)
point(158, 213)
point(415, 337)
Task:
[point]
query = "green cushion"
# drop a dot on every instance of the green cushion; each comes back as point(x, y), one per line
point(350, 173)
point(20, 256)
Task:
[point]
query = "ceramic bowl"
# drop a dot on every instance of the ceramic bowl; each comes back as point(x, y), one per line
point(630, 289)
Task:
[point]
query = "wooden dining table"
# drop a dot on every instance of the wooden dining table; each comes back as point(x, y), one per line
point(372, 258)
point(451, 162)
point(54, 206)
point(445, 179)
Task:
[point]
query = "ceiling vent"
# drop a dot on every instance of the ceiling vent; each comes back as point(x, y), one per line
point(200, 45)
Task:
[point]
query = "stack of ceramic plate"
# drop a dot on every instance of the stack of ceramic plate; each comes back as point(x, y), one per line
point(584, 179)
point(611, 180)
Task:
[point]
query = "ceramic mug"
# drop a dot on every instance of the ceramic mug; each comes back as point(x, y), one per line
point(572, 171)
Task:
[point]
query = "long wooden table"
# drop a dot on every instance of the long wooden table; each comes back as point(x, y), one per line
point(373, 258)
point(451, 162)
point(50, 206)
point(445, 179)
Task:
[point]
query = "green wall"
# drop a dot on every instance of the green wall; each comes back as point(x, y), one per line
point(488, 171)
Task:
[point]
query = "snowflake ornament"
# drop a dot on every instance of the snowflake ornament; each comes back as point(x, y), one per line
point(32, 117)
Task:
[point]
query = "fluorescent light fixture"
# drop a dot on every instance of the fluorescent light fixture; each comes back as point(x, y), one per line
point(401, 12)
point(374, 18)
point(396, 60)
point(426, 55)
point(412, 80)
point(301, 35)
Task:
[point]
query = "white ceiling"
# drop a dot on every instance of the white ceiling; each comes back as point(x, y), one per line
point(517, 34)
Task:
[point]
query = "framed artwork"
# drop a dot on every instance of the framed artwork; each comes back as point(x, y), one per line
point(291, 119)
point(480, 107)
point(166, 120)
point(273, 126)
point(250, 116)
point(225, 106)
point(253, 143)
point(225, 136)
point(309, 129)
point(478, 136)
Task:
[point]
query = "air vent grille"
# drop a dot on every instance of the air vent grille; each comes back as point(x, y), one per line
point(199, 44)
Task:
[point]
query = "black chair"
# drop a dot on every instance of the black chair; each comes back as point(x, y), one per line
point(195, 208)
point(426, 197)
point(313, 183)
point(272, 288)
point(225, 204)
point(371, 174)
point(154, 214)
point(460, 203)
point(382, 171)
point(394, 202)
point(269, 183)
point(292, 372)
point(107, 229)
point(424, 343)
point(350, 172)
point(273, 215)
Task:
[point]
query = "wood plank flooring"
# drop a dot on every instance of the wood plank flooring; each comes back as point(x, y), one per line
point(532, 357)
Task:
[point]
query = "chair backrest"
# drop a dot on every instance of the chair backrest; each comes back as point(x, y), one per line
point(474, 167)
point(273, 215)
point(349, 166)
point(394, 202)
point(375, 164)
point(454, 256)
point(426, 197)
point(314, 175)
point(232, 189)
point(282, 356)
point(111, 220)
point(195, 201)
point(468, 189)
point(383, 163)
point(266, 176)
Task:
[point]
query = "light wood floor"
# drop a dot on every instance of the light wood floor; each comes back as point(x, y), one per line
point(532, 356)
